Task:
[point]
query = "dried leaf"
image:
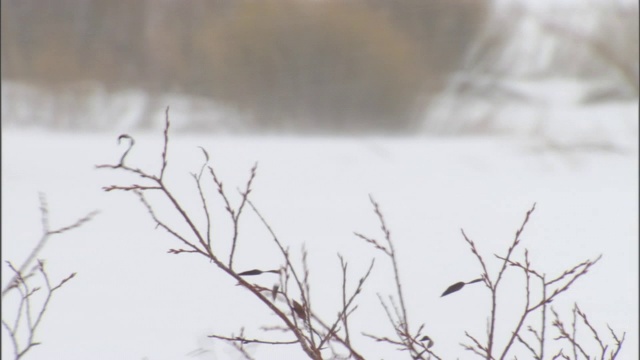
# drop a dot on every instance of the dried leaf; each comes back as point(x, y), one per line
point(251, 272)
point(428, 340)
point(258, 272)
point(299, 310)
point(453, 288)
point(457, 286)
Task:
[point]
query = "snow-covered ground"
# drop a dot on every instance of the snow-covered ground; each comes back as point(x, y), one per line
point(133, 300)
point(89, 106)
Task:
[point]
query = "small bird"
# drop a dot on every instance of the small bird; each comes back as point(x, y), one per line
point(457, 286)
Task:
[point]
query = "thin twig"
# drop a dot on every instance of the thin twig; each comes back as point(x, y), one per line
point(603, 348)
point(565, 335)
point(165, 146)
point(245, 340)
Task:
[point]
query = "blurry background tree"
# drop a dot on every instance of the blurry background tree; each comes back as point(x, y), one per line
point(590, 49)
point(314, 66)
point(337, 66)
point(591, 42)
point(340, 66)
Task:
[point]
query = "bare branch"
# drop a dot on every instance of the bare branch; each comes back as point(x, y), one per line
point(565, 335)
point(346, 304)
point(529, 347)
point(206, 210)
point(165, 143)
point(614, 353)
point(245, 340)
point(244, 194)
point(25, 306)
point(603, 348)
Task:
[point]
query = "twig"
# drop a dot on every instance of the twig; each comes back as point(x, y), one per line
point(198, 179)
point(346, 304)
point(284, 252)
point(399, 320)
point(603, 348)
point(165, 133)
point(245, 340)
point(565, 335)
point(619, 342)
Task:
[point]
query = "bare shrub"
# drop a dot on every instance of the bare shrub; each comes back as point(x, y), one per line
point(291, 301)
point(32, 299)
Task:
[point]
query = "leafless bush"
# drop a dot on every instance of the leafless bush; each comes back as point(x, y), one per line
point(31, 309)
point(290, 298)
point(551, 287)
point(418, 344)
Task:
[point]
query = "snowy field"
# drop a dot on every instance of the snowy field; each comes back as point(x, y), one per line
point(133, 300)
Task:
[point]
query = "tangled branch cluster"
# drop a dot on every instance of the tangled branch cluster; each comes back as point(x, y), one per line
point(31, 308)
point(290, 297)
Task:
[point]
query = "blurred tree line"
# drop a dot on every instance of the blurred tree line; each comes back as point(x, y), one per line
point(300, 65)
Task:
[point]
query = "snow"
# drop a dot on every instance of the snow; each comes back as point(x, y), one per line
point(90, 106)
point(133, 300)
point(554, 111)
